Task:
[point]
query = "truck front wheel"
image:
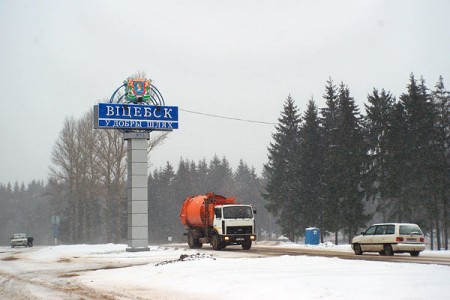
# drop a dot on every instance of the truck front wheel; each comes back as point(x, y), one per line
point(247, 245)
point(216, 243)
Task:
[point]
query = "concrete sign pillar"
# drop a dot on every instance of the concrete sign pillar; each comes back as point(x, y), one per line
point(137, 112)
point(137, 191)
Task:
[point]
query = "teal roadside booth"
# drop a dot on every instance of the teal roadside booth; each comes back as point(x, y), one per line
point(312, 236)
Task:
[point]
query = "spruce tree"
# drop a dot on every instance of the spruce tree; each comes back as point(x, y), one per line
point(282, 189)
point(246, 183)
point(378, 164)
point(419, 142)
point(203, 178)
point(394, 204)
point(350, 158)
point(248, 189)
point(182, 181)
point(311, 170)
point(441, 182)
point(220, 176)
point(164, 207)
point(330, 186)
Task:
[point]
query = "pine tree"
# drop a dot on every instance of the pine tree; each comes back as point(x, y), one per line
point(220, 176)
point(245, 183)
point(441, 103)
point(378, 165)
point(330, 186)
point(350, 157)
point(248, 189)
point(395, 204)
point(311, 169)
point(194, 179)
point(182, 181)
point(164, 207)
point(282, 188)
point(419, 139)
point(203, 177)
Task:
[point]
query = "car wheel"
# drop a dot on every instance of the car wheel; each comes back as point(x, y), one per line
point(414, 253)
point(357, 249)
point(388, 250)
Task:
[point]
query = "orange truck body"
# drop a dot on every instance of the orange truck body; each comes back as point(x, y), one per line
point(193, 210)
point(217, 220)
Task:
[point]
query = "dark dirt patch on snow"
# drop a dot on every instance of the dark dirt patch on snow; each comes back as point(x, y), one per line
point(185, 257)
point(10, 258)
point(67, 275)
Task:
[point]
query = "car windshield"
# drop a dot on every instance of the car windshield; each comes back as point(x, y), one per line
point(18, 236)
point(370, 230)
point(410, 229)
point(237, 212)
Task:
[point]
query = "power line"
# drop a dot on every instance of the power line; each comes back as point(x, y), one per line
point(226, 118)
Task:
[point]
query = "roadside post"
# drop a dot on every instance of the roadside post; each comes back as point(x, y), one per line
point(55, 222)
point(139, 111)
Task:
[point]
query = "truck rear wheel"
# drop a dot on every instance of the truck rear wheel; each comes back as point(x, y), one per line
point(193, 242)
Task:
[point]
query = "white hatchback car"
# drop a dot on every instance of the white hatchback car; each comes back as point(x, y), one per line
point(390, 238)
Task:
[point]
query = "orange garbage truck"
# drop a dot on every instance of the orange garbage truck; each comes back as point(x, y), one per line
point(218, 221)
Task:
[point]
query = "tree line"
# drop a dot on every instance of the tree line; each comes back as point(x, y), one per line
point(25, 208)
point(168, 189)
point(337, 169)
point(86, 188)
point(333, 168)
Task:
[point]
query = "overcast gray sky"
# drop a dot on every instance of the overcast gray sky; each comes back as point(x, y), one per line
point(234, 58)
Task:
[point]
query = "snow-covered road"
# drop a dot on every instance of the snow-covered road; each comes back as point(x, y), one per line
point(109, 272)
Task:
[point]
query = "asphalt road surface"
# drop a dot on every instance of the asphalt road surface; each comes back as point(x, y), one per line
point(404, 257)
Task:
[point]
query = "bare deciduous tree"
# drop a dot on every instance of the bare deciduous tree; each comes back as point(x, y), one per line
point(88, 180)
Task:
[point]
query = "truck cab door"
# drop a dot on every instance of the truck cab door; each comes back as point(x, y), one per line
point(218, 221)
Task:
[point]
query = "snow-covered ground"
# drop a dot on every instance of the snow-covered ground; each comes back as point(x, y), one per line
point(48, 272)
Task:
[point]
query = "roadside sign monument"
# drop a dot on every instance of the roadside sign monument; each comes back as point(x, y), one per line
point(137, 112)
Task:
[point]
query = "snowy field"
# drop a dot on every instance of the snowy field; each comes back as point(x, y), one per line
point(108, 271)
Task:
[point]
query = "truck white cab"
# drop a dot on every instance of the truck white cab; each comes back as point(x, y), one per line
point(234, 224)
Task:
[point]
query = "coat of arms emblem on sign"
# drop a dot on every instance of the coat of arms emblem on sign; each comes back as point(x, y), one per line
point(138, 90)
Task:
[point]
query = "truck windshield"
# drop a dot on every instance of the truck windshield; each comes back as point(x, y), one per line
point(237, 212)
